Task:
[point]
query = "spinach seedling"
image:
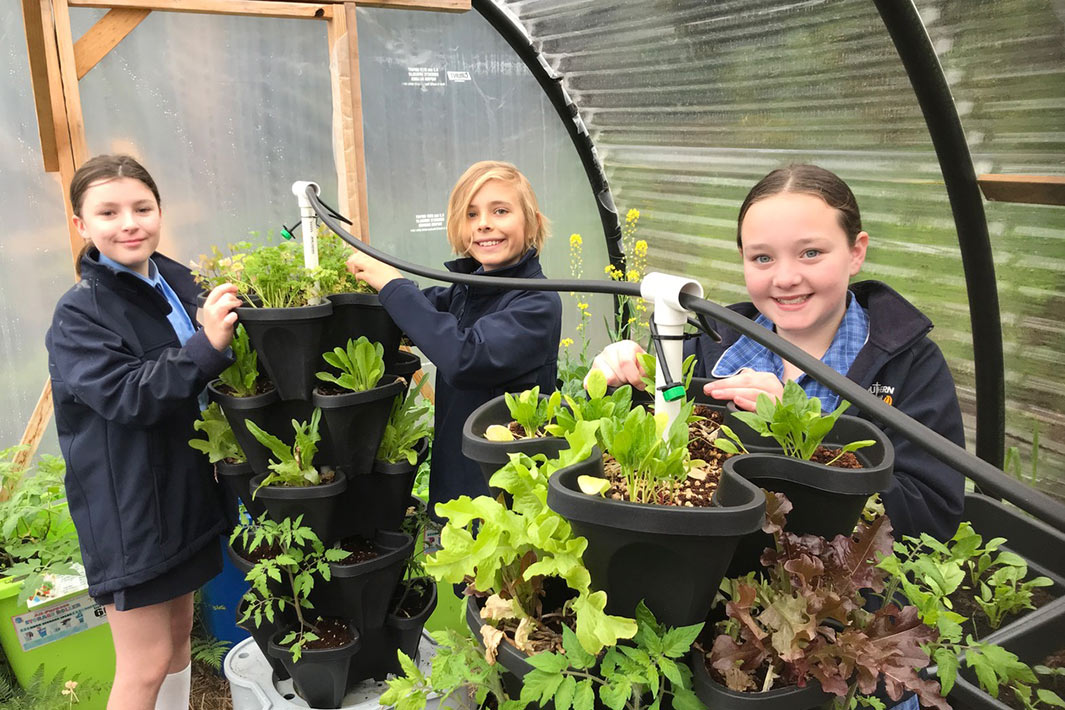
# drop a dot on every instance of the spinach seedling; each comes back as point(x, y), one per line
point(795, 421)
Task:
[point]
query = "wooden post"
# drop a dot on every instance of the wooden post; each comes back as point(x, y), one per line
point(104, 36)
point(348, 150)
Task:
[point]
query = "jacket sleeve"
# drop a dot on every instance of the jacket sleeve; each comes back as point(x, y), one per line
point(926, 495)
point(516, 339)
point(104, 374)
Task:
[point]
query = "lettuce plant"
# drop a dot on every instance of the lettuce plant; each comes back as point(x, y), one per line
point(220, 444)
point(361, 364)
point(529, 411)
point(795, 422)
point(243, 374)
point(295, 464)
point(407, 425)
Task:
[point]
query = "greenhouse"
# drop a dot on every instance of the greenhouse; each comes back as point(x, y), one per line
point(533, 353)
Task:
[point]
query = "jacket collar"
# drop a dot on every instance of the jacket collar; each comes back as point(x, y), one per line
point(175, 274)
point(528, 266)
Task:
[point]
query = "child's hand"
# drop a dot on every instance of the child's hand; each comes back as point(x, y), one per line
point(219, 318)
point(618, 362)
point(744, 388)
point(368, 269)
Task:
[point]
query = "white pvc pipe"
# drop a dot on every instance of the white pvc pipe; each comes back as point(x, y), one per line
point(308, 221)
point(663, 290)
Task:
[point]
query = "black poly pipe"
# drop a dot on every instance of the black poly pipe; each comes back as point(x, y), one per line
point(984, 474)
point(907, 31)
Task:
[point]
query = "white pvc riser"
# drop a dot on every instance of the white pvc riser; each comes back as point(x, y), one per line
point(252, 685)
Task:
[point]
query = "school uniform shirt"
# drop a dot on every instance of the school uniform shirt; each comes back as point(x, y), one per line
point(902, 366)
point(484, 342)
point(125, 393)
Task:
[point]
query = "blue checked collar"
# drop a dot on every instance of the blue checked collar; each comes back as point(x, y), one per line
point(851, 336)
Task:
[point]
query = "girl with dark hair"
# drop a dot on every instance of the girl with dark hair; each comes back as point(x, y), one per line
point(127, 364)
point(800, 236)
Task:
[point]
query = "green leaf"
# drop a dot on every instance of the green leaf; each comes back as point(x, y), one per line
point(584, 697)
point(616, 692)
point(565, 692)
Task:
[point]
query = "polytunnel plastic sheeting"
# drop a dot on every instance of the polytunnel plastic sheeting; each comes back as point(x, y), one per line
point(34, 252)
point(690, 103)
point(226, 112)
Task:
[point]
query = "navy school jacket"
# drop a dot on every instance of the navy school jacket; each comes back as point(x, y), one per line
point(125, 395)
point(902, 366)
point(484, 342)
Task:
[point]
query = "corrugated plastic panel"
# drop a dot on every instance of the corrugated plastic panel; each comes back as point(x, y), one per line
point(691, 102)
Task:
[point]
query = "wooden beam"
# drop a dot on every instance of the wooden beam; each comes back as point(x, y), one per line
point(32, 21)
point(36, 426)
point(431, 5)
point(1029, 189)
point(255, 8)
point(69, 78)
point(104, 36)
point(348, 148)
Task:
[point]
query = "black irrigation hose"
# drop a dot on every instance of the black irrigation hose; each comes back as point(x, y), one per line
point(988, 477)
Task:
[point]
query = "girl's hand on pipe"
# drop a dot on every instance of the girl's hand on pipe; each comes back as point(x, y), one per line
point(743, 388)
point(618, 362)
point(368, 269)
point(219, 316)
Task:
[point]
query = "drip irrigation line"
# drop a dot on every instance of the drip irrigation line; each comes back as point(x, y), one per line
point(986, 476)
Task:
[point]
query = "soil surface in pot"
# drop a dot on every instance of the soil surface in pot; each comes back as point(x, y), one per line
point(262, 552)
point(518, 431)
point(824, 455)
point(978, 625)
point(334, 390)
point(409, 601)
point(332, 633)
point(359, 549)
point(1053, 683)
point(262, 386)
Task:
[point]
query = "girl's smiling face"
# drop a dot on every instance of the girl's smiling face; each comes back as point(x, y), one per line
point(797, 263)
point(496, 224)
point(121, 216)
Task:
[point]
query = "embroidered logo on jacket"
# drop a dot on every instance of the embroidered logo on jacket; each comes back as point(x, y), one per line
point(884, 392)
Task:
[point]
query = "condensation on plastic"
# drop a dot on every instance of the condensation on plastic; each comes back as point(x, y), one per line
point(690, 103)
point(226, 112)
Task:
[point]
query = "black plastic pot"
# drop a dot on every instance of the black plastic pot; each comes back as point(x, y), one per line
point(276, 587)
point(289, 344)
point(515, 661)
point(360, 314)
point(259, 409)
point(671, 557)
point(362, 591)
point(392, 484)
point(355, 422)
point(321, 675)
point(405, 365)
point(406, 631)
point(263, 633)
point(319, 505)
point(378, 655)
point(1039, 544)
point(493, 455)
point(235, 479)
point(716, 696)
point(1032, 639)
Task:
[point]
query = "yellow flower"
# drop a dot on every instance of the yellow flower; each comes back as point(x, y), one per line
point(566, 342)
point(640, 247)
point(633, 275)
point(608, 269)
point(632, 215)
point(575, 240)
point(582, 306)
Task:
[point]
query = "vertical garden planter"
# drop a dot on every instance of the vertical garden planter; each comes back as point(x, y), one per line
point(826, 501)
point(719, 697)
point(319, 505)
point(391, 484)
point(493, 455)
point(400, 633)
point(289, 344)
point(671, 557)
point(358, 314)
point(236, 483)
point(362, 591)
point(355, 422)
point(262, 634)
point(1042, 546)
point(320, 676)
point(259, 409)
point(405, 365)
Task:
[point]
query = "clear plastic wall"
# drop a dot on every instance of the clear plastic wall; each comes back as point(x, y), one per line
point(226, 112)
point(690, 103)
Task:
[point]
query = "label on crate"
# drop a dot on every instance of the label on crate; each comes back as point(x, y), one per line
point(42, 626)
point(57, 586)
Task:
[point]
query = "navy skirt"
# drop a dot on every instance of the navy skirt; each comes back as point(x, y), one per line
point(187, 577)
